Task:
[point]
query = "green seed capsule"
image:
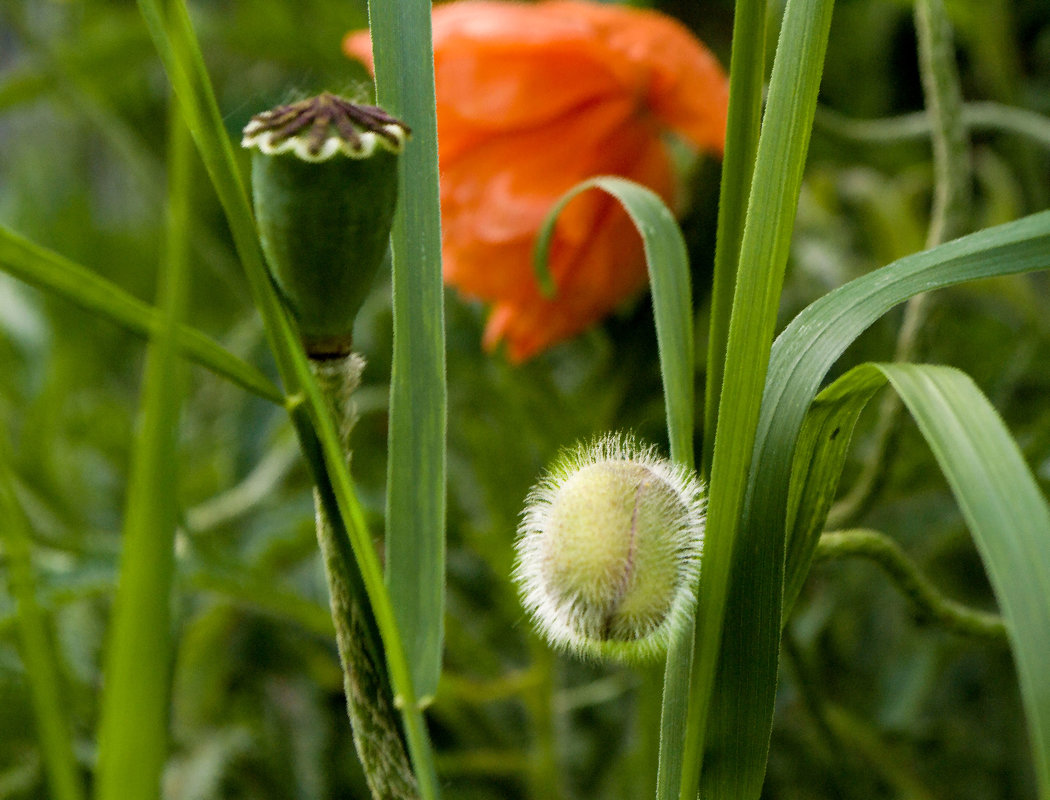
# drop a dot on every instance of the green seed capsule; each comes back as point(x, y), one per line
point(609, 550)
point(324, 181)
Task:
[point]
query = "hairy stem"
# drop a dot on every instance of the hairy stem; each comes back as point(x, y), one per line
point(930, 604)
point(369, 704)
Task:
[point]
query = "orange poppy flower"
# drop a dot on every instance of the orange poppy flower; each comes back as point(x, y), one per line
point(531, 100)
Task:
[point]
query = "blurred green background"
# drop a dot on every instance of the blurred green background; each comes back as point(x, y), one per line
point(872, 703)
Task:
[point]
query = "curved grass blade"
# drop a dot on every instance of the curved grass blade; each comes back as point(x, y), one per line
point(133, 725)
point(1007, 516)
point(1000, 500)
point(820, 454)
point(415, 498)
point(60, 276)
point(54, 728)
point(800, 358)
point(668, 264)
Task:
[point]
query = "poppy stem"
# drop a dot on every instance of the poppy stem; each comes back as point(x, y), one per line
point(369, 703)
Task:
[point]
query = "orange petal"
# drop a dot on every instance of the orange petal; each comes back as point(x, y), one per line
point(685, 86)
point(358, 45)
point(531, 99)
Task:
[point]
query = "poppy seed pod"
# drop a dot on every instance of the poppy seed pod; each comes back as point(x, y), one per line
point(324, 181)
point(608, 552)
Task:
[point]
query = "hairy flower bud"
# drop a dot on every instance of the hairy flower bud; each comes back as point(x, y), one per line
point(324, 181)
point(609, 549)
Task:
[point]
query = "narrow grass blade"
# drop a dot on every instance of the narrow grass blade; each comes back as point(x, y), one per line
point(133, 726)
point(780, 161)
point(800, 359)
point(668, 264)
point(60, 276)
point(820, 454)
point(747, 75)
point(415, 501)
point(54, 728)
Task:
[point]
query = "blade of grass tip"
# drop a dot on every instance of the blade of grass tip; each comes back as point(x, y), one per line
point(134, 709)
point(746, 79)
point(780, 162)
point(415, 498)
point(53, 273)
point(54, 728)
point(180, 53)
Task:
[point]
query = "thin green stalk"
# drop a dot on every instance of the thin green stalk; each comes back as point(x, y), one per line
point(928, 601)
point(544, 773)
point(810, 690)
point(54, 727)
point(985, 116)
point(763, 257)
point(179, 50)
point(950, 217)
point(884, 761)
point(746, 79)
point(133, 726)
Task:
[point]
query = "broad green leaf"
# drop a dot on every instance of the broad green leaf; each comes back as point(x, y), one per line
point(800, 359)
point(415, 506)
point(999, 499)
point(49, 271)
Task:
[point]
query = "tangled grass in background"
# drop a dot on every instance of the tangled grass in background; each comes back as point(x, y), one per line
point(872, 702)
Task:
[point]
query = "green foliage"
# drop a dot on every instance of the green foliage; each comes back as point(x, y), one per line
point(870, 698)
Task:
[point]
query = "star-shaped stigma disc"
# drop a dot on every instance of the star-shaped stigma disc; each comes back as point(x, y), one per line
point(320, 127)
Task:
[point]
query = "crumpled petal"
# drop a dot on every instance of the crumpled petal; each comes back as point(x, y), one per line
point(533, 98)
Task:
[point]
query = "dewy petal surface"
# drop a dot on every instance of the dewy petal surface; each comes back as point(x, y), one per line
point(533, 98)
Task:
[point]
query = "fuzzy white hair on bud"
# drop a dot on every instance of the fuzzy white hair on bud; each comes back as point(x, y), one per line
point(608, 549)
